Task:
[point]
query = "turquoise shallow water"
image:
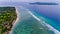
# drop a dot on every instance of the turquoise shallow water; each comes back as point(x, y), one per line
point(27, 24)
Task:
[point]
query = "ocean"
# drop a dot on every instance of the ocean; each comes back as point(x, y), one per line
point(50, 13)
point(33, 23)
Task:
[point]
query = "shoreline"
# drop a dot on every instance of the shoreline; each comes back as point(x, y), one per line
point(15, 21)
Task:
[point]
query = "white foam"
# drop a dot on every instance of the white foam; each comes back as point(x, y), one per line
point(49, 26)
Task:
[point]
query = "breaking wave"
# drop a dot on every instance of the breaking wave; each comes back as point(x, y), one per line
point(49, 26)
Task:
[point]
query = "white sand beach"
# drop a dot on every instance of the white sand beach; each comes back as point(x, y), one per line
point(16, 19)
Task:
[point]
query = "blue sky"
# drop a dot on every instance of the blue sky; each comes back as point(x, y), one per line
point(29, 0)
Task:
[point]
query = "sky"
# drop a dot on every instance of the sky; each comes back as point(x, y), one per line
point(29, 0)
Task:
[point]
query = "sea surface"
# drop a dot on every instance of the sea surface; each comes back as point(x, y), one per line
point(36, 19)
point(30, 24)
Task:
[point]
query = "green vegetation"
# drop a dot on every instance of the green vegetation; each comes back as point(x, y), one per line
point(7, 16)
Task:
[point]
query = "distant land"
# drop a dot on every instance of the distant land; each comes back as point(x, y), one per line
point(44, 3)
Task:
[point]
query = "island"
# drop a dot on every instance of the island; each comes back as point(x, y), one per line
point(8, 16)
point(44, 3)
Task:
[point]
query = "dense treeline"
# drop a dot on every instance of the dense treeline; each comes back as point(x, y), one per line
point(7, 16)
